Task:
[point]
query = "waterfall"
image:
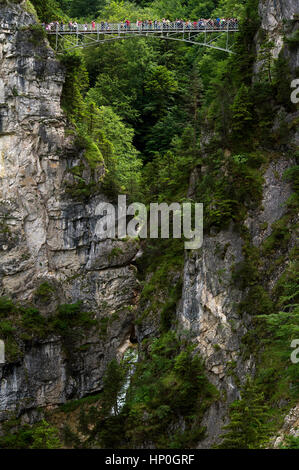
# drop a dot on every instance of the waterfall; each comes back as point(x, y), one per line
point(131, 358)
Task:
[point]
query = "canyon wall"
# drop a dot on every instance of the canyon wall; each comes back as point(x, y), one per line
point(48, 236)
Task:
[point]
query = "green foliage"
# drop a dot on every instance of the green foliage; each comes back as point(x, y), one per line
point(168, 175)
point(242, 113)
point(38, 33)
point(39, 436)
point(270, 342)
point(117, 11)
point(44, 292)
point(101, 135)
point(45, 436)
point(292, 175)
point(169, 308)
point(19, 324)
point(256, 302)
point(290, 442)
point(71, 316)
point(6, 306)
point(279, 238)
point(82, 188)
point(33, 322)
point(76, 82)
point(281, 328)
point(73, 405)
point(282, 79)
point(47, 10)
point(266, 57)
point(169, 382)
point(293, 40)
point(93, 155)
point(160, 85)
point(91, 151)
point(242, 62)
point(121, 158)
point(30, 8)
point(85, 8)
point(249, 426)
point(227, 195)
point(113, 381)
point(160, 272)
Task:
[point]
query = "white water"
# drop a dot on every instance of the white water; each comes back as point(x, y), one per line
point(131, 358)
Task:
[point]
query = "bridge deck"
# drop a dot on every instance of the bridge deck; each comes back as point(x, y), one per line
point(192, 33)
point(142, 30)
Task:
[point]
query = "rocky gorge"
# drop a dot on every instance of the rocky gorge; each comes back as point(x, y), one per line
point(49, 240)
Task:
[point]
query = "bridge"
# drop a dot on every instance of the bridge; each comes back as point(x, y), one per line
point(203, 33)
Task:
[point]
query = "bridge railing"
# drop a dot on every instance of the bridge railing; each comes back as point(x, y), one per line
point(203, 25)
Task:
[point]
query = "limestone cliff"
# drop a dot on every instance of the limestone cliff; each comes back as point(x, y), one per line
point(46, 235)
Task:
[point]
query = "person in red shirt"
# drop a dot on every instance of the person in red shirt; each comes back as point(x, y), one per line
point(93, 25)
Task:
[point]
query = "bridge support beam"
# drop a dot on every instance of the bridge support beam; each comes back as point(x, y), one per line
point(198, 37)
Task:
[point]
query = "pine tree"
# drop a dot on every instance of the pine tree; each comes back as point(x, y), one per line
point(265, 55)
point(249, 426)
point(242, 112)
point(113, 381)
point(47, 10)
point(83, 8)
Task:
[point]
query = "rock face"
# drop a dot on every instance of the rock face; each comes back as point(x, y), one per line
point(277, 20)
point(45, 235)
point(210, 298)
point(274, 12)
point(208, 306)
point(290, 427)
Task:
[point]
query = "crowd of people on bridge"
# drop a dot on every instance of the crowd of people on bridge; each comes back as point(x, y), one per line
point(145, 25)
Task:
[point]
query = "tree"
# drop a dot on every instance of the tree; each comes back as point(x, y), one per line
point(170, 9)
point(242, 112)
point(76, 82)
point(249, 426)
point(47, 10)
point(113, 381)
point(111, 91)
point(160, 88)
point(202, 9)
point(122, 161)
point(65, 5)
point(45, 436)
point(265, 55)
point(84, 8)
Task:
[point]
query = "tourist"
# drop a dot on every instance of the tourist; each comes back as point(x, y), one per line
point(149, 25)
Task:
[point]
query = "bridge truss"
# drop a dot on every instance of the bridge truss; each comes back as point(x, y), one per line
point(80, 37)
